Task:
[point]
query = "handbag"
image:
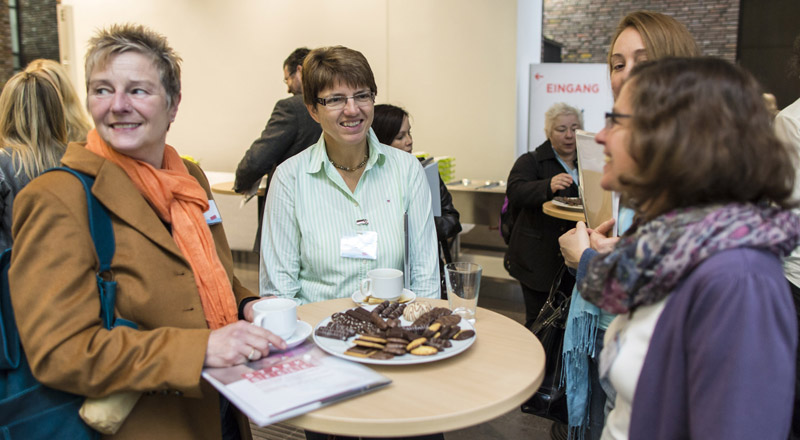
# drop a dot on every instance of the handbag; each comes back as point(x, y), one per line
point(28, 409)
point(550, 400)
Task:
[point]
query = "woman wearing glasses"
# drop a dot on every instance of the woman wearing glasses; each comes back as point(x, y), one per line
point(704, 342)
point(336, 210)
point(640, 36)
point(551, 170)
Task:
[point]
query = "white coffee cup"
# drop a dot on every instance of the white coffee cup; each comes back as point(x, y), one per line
point(384, 284)
point(278, 315)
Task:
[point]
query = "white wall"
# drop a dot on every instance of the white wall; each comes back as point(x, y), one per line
point(451, 63)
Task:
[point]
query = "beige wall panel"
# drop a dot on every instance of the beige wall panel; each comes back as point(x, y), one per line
point(450, 63)
point(233, 53)
point(452, 66)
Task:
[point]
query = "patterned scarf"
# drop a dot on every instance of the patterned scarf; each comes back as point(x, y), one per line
point(179, 200)
point(653, 258)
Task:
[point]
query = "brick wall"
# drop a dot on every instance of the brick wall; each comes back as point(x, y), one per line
point(585, 27)
point(6, 62)
point(39, 28)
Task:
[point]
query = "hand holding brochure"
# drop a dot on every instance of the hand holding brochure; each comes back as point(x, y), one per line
point(288, 384)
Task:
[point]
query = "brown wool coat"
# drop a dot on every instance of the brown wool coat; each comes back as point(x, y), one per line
point(54, 294)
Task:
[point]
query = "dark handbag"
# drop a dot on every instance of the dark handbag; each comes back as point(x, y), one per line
point(550, 400)
point(28, 409)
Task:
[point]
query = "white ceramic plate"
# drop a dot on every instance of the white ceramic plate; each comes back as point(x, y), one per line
point(567, 206)
point(407, 298)
point(337, 347)
point(300, 334)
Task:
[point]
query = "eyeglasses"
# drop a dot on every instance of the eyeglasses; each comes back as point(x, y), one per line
point(363, 99)
point(611, 119)
point(563, 129)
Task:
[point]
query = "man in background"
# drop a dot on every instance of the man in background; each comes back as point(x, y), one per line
point(289, 131)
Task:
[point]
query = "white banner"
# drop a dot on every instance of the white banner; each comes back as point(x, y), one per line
point(581, 85)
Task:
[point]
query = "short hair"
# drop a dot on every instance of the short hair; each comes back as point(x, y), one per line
point(326, 66)
point(662, 35)
point(295, 59)
point(556, 110)
point(121, 38)
point(78, 122)
point(32, 122)
point(387, 122)
point(700, 134)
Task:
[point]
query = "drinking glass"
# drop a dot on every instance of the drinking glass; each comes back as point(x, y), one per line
point(463, 280)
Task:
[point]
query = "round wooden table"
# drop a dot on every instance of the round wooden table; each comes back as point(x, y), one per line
point(500, 371)
point(565, 214)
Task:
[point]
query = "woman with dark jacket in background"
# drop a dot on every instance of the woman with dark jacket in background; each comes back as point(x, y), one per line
point(551, 170)
point(393, 128)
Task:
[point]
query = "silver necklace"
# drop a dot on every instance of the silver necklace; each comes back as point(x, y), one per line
point(344, 168)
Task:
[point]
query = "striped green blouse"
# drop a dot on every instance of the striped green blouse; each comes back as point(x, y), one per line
point(309, 209)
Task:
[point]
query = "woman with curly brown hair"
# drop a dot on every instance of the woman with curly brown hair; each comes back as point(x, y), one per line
point(704, 342)
point(787, 127)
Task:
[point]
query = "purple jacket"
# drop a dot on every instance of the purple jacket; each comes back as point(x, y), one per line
point(721, 363)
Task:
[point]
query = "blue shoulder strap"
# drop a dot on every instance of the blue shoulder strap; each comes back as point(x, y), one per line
point(103, 238)
point(99, 221)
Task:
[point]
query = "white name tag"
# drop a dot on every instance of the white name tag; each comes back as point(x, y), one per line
point(363, 245)
point(212, 215)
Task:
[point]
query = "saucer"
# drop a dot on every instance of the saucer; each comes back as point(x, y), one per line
point(407, 297)
point(300, 334)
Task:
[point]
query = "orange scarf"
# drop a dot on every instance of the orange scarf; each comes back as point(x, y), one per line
point(179, 200)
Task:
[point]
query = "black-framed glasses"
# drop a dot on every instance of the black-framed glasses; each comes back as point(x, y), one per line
point(612, 119)
point(336, 102)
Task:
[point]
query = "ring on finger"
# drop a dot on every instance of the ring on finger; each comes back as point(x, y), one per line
point(252, 356)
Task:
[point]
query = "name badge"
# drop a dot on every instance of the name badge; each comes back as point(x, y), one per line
point(212, 215)
point(363, 245)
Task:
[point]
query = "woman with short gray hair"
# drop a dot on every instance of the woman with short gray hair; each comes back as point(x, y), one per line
point(538, 176)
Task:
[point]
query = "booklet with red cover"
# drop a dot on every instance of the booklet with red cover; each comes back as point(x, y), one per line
point(287, 384)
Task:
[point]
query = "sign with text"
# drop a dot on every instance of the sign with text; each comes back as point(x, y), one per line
point(581, 85)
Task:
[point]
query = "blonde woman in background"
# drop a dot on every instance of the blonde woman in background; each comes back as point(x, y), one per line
point(33, 137)
point(639, 36)
point(78, 122)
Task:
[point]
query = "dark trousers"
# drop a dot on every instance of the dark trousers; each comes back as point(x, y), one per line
point(230, 427)
point(794, 432)
point(534, 300)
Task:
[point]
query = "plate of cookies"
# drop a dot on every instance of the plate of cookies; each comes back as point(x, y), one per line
point(394, 334)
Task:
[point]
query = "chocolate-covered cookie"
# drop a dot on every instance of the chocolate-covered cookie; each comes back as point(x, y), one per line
point(382, 355)
point(360, 351)
point(463, 334)
point(449, 319)
point(424, 350)
point(335, 330)
point(396, 349)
